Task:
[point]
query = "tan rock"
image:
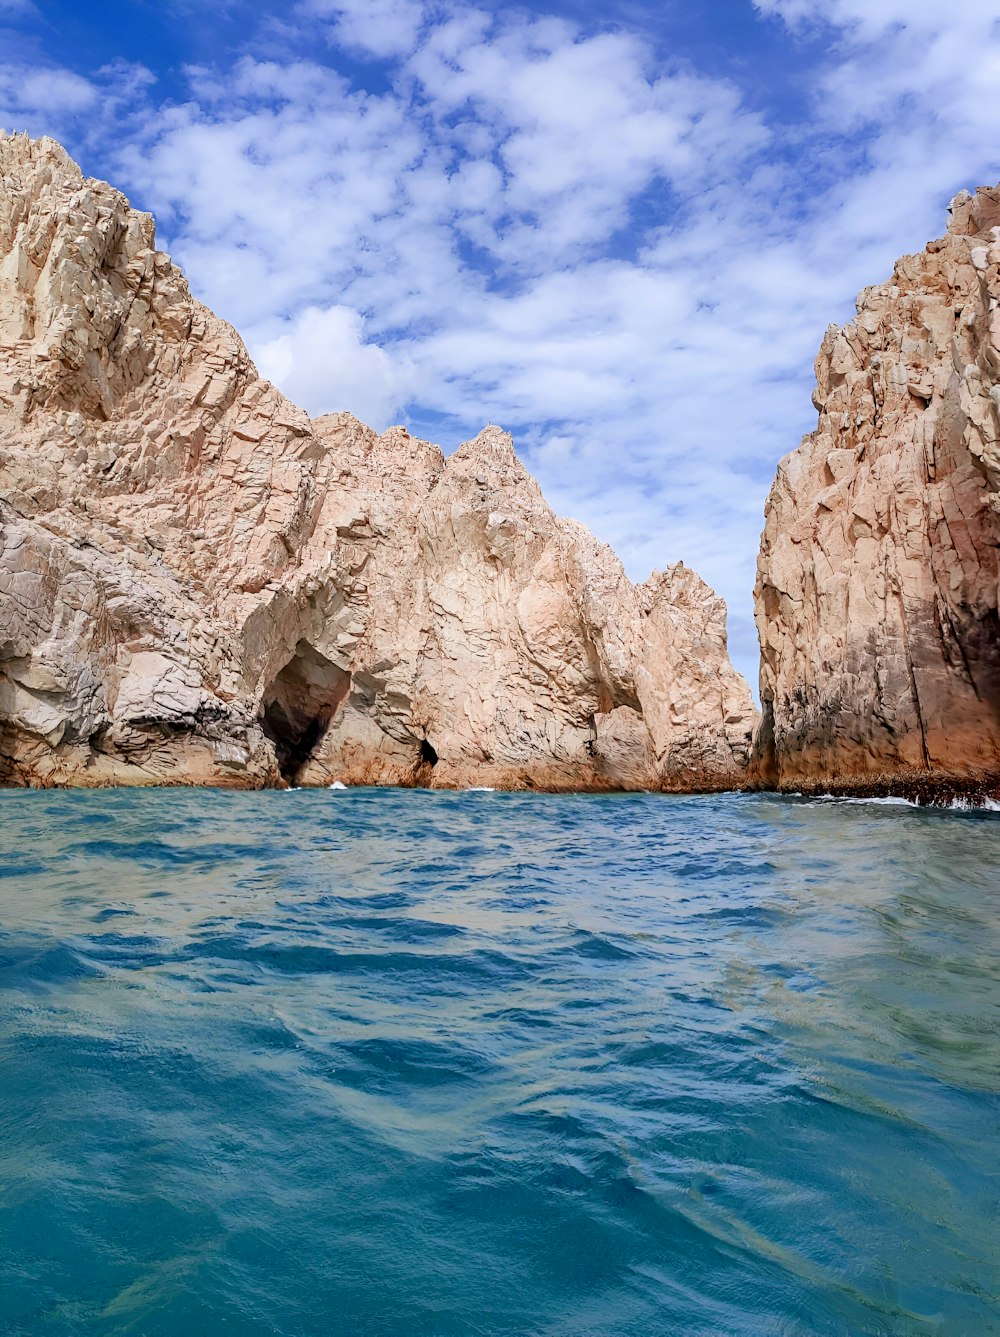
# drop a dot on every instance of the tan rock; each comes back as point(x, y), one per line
point(876, 596)
point(200, 585)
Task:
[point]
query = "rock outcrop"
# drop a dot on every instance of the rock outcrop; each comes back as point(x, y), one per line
point(876, 597)
point(198, 584)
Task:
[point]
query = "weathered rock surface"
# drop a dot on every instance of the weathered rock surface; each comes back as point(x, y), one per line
point(876, 597)
point(200, 585)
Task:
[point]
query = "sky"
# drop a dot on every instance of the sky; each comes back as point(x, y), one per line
point(617, 229)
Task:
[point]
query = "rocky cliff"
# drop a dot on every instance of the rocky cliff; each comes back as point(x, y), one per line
point(198, 584)
point(876, 597)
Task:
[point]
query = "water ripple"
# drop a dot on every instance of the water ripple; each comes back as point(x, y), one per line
point(394, 1063)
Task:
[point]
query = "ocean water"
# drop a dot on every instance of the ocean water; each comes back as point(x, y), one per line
point(377, 1062)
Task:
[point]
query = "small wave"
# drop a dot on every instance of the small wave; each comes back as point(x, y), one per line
point(480, 789)
point(338, 784)
point(885, 800)
point(29, 868)
point(898, 801)
point(488, 1041)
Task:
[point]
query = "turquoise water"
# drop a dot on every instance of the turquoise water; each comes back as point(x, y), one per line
point(381, 1062)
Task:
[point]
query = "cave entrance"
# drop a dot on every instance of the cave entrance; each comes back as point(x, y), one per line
point(299, 704)
point(427, 759)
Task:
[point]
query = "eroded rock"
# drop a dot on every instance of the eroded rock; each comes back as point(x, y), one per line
point(876, 597)
point(200, 585)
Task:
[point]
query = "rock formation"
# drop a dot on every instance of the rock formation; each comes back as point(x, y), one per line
point(200, 585)
point(876, 597)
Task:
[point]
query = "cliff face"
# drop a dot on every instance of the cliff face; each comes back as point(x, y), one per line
point(877, 589)
point(200, 585)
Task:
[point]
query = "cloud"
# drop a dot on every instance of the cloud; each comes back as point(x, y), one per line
point(379, 28)
point(578, 125)
point(323, 363)
point(277, 184)
point(867, 21)
point(52, 100)
point(27, 93)
point(937, 63)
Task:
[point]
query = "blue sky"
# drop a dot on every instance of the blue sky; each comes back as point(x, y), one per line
point(617, 229)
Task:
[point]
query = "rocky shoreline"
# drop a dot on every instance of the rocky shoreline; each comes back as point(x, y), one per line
point(916, 787)
point(199, 585)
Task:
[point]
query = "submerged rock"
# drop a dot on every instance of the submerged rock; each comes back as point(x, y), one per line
point(198, 584)
point(877, 587)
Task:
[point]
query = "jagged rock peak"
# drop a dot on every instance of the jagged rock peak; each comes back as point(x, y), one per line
point(198, 584)
point(877, 585)
point(17, 148)
point(492, 442)
point(974, 215)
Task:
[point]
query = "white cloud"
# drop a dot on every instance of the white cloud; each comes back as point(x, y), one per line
point(869, 20)
point(377, 27)
point(323, 363)
point(579, 125)
point(275, 183)
point(52, 100)
point(914, 61)
point(28, 95)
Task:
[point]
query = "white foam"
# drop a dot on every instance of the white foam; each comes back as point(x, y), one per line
point(480, 789)
point(971, 805)
point(338, 784)
point(897, 801)
point(886, 800)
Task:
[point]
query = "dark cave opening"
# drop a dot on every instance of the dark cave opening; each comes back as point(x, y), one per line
point(427, 759)
point(294, 738)
point(299, 704)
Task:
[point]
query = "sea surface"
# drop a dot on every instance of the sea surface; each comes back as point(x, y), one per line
point(392, 1063)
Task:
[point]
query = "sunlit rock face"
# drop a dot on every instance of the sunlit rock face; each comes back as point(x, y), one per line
point(876, 596)
point(198, 584)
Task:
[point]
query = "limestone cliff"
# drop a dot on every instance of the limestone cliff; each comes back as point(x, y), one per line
point(876, 597)
point(200, 585)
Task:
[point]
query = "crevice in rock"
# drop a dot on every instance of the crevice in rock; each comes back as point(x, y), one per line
point(298, 705)
point(428, 757)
